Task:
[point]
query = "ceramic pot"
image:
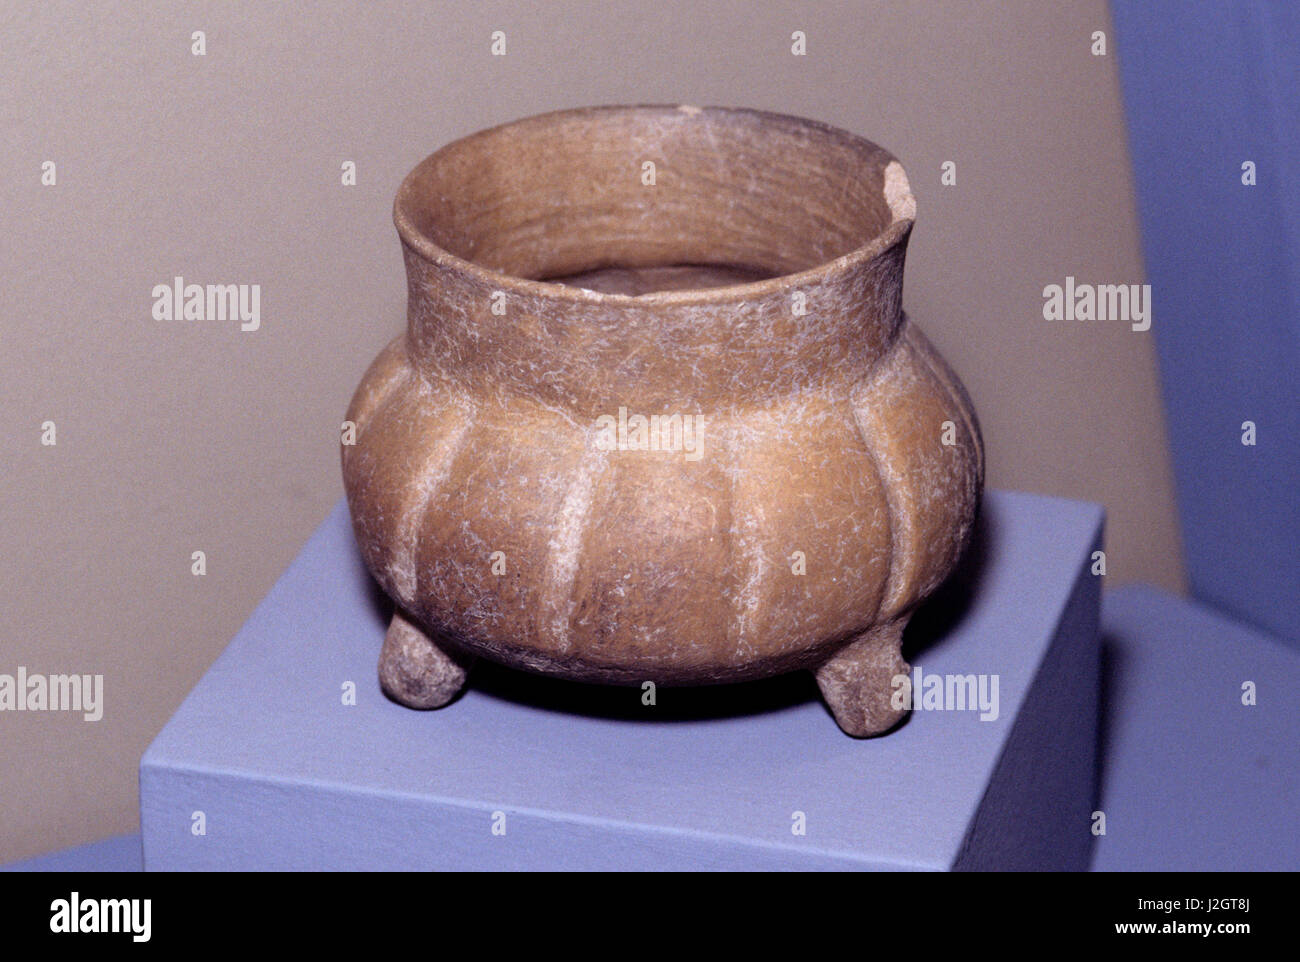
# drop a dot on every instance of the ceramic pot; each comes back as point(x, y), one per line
point(657, 414)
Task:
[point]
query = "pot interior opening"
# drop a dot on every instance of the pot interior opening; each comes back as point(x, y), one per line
point(644, 199)
point(635, 281)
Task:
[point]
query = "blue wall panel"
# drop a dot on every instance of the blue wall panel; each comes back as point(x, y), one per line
point(1207, 87)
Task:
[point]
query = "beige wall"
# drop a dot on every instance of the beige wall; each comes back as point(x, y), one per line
point(176, 437)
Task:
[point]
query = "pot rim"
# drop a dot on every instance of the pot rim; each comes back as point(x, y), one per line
point(898, 198)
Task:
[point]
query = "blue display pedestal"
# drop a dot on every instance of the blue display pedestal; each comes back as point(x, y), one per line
point(1201, 740)
point(267, 765)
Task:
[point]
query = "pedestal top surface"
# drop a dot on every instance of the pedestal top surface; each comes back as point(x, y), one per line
point(730, 762)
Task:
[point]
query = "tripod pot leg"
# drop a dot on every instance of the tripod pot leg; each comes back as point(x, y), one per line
point(858, 681)
point(415, 670)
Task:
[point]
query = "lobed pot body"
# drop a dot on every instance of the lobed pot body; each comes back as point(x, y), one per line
point(815, 468)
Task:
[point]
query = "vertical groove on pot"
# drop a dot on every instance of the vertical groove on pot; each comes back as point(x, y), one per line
point(750, 563)
point(427, 478)
point(565, 547)
point(891, 508)
point(902, 412)
point(960, 399)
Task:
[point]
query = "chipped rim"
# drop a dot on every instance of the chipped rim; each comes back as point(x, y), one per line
point(897, 195)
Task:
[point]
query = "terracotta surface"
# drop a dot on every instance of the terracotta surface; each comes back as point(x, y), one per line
point(753, 290)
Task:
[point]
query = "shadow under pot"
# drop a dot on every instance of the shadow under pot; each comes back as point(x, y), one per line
point(657, 414)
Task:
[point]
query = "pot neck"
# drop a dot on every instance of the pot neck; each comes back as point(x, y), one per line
point(822, 213)
point(589, 352)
